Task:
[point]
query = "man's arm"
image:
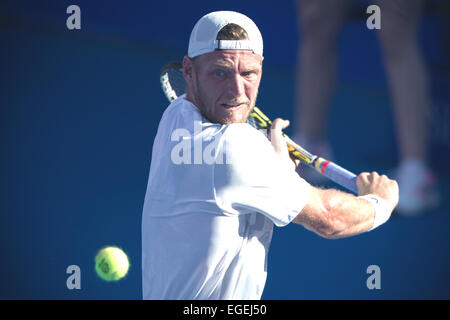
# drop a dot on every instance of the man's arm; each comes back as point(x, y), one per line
point(335, 214)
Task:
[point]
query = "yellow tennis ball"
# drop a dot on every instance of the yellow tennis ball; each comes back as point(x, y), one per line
point(111, 263)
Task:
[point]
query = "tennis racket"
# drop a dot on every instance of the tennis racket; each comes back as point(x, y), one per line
point(174, 85)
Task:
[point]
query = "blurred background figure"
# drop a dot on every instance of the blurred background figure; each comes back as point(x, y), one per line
point(320, 22)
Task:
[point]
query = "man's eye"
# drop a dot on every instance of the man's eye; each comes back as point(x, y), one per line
point(219, 74)
point(249, 74)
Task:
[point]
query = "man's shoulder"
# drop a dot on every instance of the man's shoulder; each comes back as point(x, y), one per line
point(243, 132)
point(181, 105)
point(179, 114)
point(243, 144)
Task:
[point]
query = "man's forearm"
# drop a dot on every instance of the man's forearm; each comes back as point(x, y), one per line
point(351, 215)
point(335, 214)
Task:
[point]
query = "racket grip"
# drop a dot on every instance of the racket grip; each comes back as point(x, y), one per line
point(336, 173)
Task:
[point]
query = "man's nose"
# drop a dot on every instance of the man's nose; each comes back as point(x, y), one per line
point(236, 85)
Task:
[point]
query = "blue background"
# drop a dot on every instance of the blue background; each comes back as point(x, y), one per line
point(79, 112)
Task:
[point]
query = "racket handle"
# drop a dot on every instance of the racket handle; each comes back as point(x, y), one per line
point(336, 173)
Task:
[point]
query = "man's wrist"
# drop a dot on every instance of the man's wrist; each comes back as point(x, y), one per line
point(382, 209)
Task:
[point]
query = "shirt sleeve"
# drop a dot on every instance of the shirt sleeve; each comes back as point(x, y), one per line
point(254, 178)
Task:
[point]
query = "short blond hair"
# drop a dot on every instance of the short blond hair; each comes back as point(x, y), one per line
point(232, 31)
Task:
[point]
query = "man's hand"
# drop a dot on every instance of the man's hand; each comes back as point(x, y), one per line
point(279, 143)
point(381, 186)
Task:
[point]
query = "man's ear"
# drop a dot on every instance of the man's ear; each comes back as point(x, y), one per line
point(188, 69)
point(188, 74)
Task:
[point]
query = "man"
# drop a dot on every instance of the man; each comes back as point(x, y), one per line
point(207, 225)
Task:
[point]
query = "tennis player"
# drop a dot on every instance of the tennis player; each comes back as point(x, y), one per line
point(207, 225)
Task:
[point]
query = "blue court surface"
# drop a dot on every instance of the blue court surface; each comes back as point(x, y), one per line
point(80, 110)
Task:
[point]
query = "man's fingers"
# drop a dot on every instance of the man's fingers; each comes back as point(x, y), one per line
point(275, 130)
point(374, 175)
point(377, 184)
point(277, 139)
point(367, 177)
point(363, 177)
point(364, 180)
point(280, 124)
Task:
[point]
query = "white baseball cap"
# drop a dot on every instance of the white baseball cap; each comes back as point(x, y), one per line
point(203, 36)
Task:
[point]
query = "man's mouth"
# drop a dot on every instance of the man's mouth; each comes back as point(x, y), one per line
point(232, 106)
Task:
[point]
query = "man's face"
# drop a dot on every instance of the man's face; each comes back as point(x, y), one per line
point(224, 84)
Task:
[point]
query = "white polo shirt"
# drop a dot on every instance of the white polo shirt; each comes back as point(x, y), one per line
point(214, 193)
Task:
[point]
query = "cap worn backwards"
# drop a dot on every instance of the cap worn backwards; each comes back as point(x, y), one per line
point(203, 36)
